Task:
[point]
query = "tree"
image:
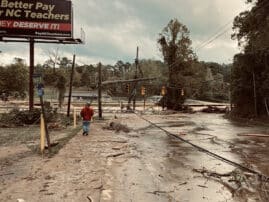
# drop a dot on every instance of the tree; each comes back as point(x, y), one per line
point(60, 85)
point(64, 62)
point(250, 69)
point(175, 45)
point(154, 69)
point(14, 78)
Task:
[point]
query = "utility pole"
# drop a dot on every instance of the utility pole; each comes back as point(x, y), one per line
point(255, 94)
point(31, 72)
point(100, 91)
point(254, 84)
point(70, 86)
point(136, 68)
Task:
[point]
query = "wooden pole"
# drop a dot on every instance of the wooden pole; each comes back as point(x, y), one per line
point(75, 117)
point(42, 134)
point(144, 102)
point(255, 94)
point(100, 91)
point(136, 68)
point(70, 86)
point(31, 72)
point(45, 121)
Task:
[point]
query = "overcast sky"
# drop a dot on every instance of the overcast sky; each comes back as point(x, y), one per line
point(114, 28)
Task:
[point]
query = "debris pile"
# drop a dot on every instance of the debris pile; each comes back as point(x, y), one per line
point(118, 127)
point(238, 182)
point(214, 109)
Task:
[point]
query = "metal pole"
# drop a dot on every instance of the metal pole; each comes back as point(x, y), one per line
point(31, 72)
point(100, 91)
point(70, 86)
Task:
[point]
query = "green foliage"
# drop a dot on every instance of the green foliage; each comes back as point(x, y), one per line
point(16, 117)
point(49, 77)
point(205, 81)
point(251, 67)
point(60, 85)
point(14, 78)
point(88, 76)
point(175, 46)
point(65, 62)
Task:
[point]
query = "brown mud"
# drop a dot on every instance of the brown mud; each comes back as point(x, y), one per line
point(142, 165)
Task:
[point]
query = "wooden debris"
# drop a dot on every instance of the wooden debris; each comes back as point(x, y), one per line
point(213, 174)
point(237, 182)
point(99, 187)
point(116, 148)
point(115, 155)
point(116, 141)
point(253, 135)
point(7, 174)
point(159, 192)
point(52, 144)
point(214, 109)
point(89, 198)
point(202, 186)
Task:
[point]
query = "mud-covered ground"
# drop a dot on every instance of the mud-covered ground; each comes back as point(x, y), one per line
point(144, 164)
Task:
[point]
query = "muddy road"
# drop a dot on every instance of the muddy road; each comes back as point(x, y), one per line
point(170, 167)
point(144, 164)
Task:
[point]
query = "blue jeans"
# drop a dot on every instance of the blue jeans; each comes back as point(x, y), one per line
point(86, 126)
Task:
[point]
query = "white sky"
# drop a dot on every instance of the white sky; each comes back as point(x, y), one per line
point(115, 27)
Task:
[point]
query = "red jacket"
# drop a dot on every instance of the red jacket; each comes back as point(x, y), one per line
point(87, 113)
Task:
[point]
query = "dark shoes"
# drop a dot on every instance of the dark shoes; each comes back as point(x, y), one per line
point(85, 133)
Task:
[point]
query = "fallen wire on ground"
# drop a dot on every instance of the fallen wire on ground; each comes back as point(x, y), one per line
point(261, 176)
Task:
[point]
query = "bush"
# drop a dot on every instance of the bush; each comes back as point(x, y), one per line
point(17, 117)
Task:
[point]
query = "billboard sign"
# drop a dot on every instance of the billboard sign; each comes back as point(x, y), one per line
point(36, 18)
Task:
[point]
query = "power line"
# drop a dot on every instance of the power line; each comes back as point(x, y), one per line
point(218, 34)
point(214, 35)
point(213, 39)
point(220, 30)
point(262, 177)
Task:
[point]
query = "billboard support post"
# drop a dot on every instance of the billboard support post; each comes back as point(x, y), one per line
point(31, 72)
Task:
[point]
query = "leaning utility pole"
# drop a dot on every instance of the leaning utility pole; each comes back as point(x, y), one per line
point(100, 91)
point(70, 86)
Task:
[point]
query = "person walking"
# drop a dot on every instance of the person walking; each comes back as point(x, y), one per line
point(87, 114)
